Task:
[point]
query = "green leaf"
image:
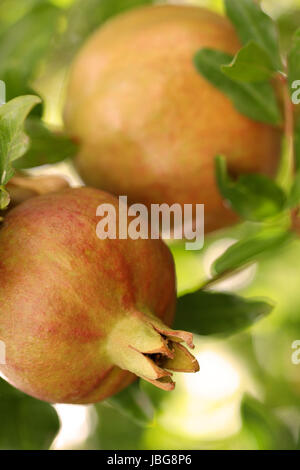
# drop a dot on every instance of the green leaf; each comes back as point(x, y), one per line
point(208, 313)
point(254, 197)
point(269, 432)
point(294, 64)
point(255, 100)
point(24, 45)
point(133, 403)
point(252, 24)
point(26, 423)
point(46, 147)
point(288, 22)
point(251, 64)
point(115, 431)
point(249, 249)
point(4, 198)
point(12, 140)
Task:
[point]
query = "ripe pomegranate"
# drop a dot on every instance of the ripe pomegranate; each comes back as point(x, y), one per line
point(148, 125)
point(79, 315)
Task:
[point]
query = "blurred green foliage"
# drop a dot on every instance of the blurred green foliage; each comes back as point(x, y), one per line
point(38, 38)
point(25, 423)
point(24, 45)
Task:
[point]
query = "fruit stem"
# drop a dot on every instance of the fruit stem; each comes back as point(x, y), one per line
point(288, 124)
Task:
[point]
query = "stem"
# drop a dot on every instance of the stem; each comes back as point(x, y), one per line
point(288, 122)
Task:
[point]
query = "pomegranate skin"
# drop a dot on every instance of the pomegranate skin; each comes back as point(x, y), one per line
point(63, 291)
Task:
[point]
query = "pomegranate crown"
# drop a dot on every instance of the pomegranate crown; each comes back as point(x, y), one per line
point(142, 344)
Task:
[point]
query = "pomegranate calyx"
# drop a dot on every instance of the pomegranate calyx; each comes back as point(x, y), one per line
point(142, 344)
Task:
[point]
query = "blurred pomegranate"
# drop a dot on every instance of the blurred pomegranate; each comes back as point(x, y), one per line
point(148, 125)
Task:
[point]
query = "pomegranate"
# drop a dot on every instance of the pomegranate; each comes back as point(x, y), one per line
point(149, 125)
point(81, 317)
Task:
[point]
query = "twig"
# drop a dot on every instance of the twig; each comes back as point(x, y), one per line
point(288, 120)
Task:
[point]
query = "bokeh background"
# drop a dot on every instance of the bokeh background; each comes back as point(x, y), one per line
point(247, 395)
